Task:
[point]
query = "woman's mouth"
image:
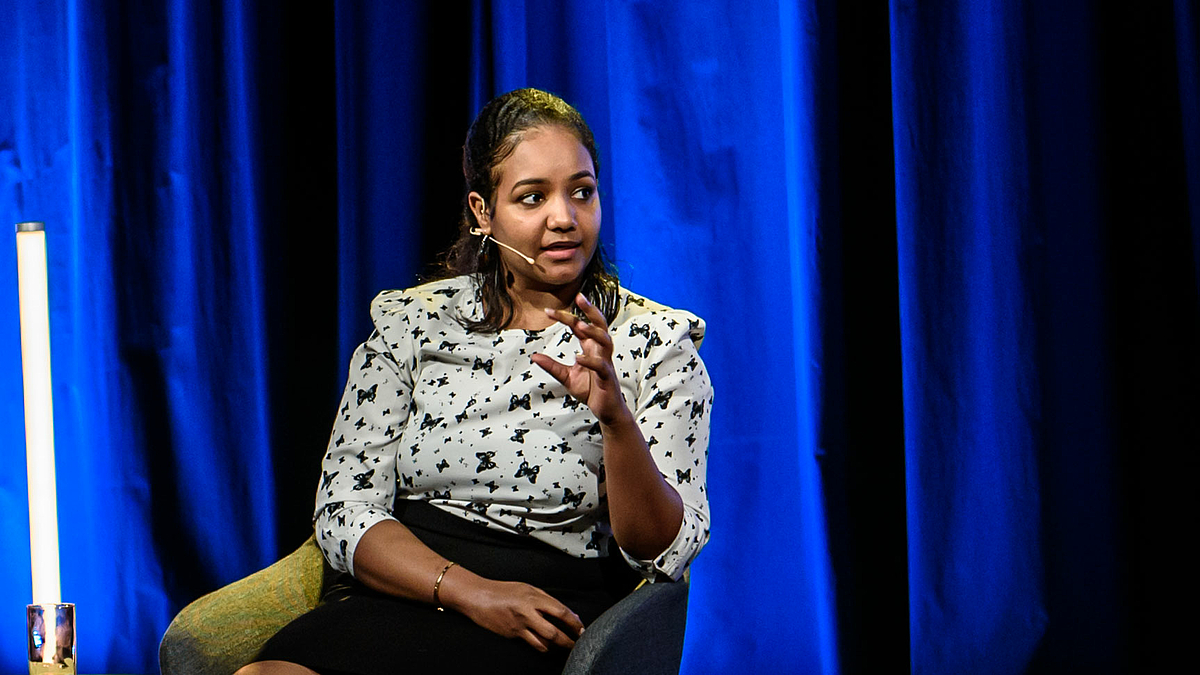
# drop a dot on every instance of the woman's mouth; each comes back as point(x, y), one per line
point(561, 250)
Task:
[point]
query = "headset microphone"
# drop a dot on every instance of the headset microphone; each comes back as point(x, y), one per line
point(486, 236)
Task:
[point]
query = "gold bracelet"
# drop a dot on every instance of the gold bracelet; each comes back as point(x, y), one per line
point(437, 586)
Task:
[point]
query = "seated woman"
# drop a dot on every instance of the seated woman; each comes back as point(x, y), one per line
point(519, 443)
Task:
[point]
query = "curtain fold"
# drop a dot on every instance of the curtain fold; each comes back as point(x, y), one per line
point(947, 257)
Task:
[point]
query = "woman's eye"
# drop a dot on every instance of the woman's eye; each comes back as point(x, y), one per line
point(585, 193)
point(531, 199)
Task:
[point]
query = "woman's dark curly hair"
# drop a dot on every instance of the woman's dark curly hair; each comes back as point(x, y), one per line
point(493, 136)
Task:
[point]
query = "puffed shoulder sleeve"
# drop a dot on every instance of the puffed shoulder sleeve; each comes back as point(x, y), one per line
point(674, 404)
point(358, 472)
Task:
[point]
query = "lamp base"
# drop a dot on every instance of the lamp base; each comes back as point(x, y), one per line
point(50, 629)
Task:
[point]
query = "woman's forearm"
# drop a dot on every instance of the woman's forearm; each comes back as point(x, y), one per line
point(645, 511)
point(389, 558)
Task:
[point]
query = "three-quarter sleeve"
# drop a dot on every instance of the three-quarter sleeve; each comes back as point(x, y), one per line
point(674, 402)
point(358, 473)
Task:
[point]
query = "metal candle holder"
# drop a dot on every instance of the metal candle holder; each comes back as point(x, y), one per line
point(51, 633)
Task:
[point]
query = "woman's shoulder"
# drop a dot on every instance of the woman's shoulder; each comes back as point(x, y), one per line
point(641, 315)
point(440, 300)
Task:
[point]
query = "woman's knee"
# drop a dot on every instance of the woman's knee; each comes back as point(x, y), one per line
point(274, 668)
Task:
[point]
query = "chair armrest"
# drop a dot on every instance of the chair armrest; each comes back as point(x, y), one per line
point(643, 633)
point(224, 630)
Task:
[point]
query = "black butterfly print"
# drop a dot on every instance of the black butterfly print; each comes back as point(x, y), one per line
point(547, 396)
point(651, 442)
point(367, 394)
point(522, 527)
point(340, 440)
point(448, 346)
point(345, 409)
point(515, 403)
point(531, 336)
point(485, 366)
point(562, 447)
point(430, 421)
point(478, 507)
point(697, 410)
point(440, 495)
point(333, 507)
point(631, 300)
point(660, 399)
point(574, 499)
point(654, 341)
point(691, 439)
point(415, 449)
point(485, 432)
point(594, 429)
point(361, 456)
point(570, 402)
point(327, 479)
point(643, 331)
point(636, 352)
point(432, 316)
point(597, 541)
point(448, 292)
point(531, 471)
point(418, 332)
point(519, 435)
point(390, 432)
point(491, 486)
point(652, 370)
point(683, 476)
point(363, 480)
point(406, 479)
point(485, 461)
point(461, 416)
point(566, 337)
point(342, 547)
point(367, 361)
point(443, 465)
point(362, 422)
point(404, 300)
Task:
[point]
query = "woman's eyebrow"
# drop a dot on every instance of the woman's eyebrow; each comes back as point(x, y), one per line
point(542, 181)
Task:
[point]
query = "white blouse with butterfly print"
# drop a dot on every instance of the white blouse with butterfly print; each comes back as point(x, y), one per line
point(466, 422)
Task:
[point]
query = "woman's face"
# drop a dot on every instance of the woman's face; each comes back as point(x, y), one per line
point(546, 206)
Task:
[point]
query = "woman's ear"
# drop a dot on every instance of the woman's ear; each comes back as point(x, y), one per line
point(478, 206)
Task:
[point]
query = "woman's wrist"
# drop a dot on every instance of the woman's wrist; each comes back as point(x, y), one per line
point(620, 424)
point(455, 589)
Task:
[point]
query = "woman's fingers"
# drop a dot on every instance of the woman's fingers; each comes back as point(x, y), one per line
point(533, 640)
point(591, 312)
point(549, 633)
point(557, 370)
point(583, 330)
point(596, 364)
point(569, 619)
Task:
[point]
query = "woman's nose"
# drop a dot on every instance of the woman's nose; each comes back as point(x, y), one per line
point(561, 214)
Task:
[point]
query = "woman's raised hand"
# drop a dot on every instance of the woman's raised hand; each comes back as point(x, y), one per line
point(592, 379)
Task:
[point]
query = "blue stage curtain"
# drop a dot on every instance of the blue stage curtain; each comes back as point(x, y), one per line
point(947, 256)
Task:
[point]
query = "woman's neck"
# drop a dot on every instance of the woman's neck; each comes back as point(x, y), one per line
point(529, 306)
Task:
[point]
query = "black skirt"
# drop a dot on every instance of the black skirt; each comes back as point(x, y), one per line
point(357, 630)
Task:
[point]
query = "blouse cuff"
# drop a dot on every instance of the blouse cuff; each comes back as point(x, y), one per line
point(339, 542)
point(672, 562)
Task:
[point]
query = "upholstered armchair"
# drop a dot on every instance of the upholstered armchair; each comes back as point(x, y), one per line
point(224, 630)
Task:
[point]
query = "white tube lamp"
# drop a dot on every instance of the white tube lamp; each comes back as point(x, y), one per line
point(51, 624)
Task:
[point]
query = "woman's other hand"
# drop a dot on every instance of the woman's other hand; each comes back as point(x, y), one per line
point(512, 609)
point(592, 379)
